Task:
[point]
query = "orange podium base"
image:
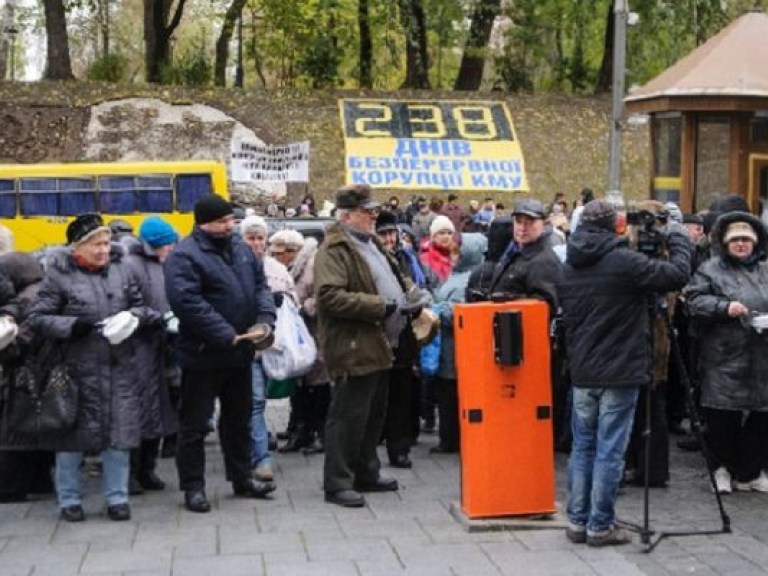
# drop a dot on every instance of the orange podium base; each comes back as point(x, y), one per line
point(505, 408)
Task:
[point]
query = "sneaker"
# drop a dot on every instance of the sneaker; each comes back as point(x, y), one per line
point(614, 536)
point(759, 484)
point(723, 481)
point(264, 471)
point(576, 534)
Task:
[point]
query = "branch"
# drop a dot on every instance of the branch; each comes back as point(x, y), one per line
point(176, 17)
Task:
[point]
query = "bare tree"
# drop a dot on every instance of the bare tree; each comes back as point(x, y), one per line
point(416, 59)
point(58, 66)
point(473, 60)
point(234, 12)
point(158, 30)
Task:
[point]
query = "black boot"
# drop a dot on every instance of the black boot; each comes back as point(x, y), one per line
point(317, 446)
point(298, 440)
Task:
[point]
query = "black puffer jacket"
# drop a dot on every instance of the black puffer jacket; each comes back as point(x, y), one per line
point(733, 359)
point(108, 411)
point(603, 295)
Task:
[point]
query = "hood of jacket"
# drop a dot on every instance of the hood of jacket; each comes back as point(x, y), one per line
point(721, 225)
point(473, 247)
point(589, 244)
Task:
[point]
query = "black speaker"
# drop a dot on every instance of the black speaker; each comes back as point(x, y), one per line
point(508, 338)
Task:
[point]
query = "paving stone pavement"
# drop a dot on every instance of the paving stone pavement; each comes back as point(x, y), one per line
point(410, 533)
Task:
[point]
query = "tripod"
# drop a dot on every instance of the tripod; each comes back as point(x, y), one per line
point(646, 534)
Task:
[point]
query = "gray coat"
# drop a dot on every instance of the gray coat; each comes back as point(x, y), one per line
point(733, 358)
point(155, 364)
point(108, 414)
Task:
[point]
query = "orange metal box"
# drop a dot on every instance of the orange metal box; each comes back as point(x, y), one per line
point(507, 463)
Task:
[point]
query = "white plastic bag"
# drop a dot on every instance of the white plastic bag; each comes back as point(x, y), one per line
point(294, 351)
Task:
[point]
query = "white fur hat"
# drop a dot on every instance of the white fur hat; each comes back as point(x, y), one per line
point(441, 223)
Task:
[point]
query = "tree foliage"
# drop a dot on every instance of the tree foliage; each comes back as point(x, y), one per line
point(514, 45)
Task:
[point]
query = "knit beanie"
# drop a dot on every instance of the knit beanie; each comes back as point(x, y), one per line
point(84, 227)
point(156, 232)
point(253, 222)
point(441, 223)
point(599, 213)
point(210, 208)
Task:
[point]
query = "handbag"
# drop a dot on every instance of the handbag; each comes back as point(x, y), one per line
point(293, 352)
point(42, 397)
point(429, 354)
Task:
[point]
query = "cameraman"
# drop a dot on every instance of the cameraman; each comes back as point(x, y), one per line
point(604, 296)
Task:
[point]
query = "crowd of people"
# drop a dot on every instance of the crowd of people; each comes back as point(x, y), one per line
point(166, 337)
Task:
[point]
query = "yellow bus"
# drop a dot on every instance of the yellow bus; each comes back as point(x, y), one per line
point(37, 201)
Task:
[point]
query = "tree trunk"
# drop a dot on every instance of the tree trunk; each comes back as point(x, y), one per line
point(58, 65)
point(473, 60)
point(605, 76)
point(416, 59)
point(157, 35)
point(366, 45)
point(225, 37)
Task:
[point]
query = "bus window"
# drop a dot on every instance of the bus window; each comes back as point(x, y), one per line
point(190, 188)
point(117, 195)
point(155, 194)
point(130, 194)
point(7, 199)
point(78, 195)
point(39, 197)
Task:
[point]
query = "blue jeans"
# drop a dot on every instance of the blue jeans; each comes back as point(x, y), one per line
point(601, 423)
point(114, 477)
point(259, 435)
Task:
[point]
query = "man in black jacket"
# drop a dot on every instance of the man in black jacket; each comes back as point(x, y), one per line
point(217, 289)
point(604, 295)
point(528, 268)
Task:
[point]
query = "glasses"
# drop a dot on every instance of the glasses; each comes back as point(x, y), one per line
point(743, 240)
point(370, 211)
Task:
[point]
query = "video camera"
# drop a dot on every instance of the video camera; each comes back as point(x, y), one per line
point(650, 238)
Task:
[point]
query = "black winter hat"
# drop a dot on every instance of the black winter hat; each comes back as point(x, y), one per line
point(599, 213)
point(386, 220)
point(210, 208)
point(729, 203)
point(83, 226)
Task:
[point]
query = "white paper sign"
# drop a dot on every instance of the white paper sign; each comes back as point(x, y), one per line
point(254, 162)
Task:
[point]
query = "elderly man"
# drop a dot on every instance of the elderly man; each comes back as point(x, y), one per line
point(360, 296)
point(216, 287)
point(528, 268)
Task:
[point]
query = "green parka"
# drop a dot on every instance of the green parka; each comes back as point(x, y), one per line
point(350, 311)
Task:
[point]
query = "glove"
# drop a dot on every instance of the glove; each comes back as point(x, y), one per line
point(171, 323)
point(278, 298)
point(411, 308)
point(81, 328)
point(390, 309)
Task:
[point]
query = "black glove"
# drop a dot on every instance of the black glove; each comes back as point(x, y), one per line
point(278, 298)
point(411, 309)
point(390, 309)
point(81, 328)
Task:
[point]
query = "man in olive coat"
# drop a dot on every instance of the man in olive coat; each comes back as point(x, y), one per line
point(360, 305)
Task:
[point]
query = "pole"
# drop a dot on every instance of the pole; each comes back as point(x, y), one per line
point(620, 10)
point(239, 68)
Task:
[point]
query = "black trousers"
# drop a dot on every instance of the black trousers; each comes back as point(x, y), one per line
point(144, 458)
point(403, 394)
point(447, 393)
point(353, 429)
point(658, 474)
point(738, 443)
point(199, 389)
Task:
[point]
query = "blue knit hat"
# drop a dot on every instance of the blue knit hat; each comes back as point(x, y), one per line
point(157, 232)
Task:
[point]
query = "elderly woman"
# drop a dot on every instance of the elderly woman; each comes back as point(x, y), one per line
point(159, 372)
point(722, 297)
point(85, 284)
point(254, 231)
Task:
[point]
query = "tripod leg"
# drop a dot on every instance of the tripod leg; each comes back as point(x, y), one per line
point(696, 424)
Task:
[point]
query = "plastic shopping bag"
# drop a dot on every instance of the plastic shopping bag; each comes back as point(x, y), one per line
point(294, 351)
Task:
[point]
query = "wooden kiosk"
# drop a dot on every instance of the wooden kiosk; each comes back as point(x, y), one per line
point(709, 119)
